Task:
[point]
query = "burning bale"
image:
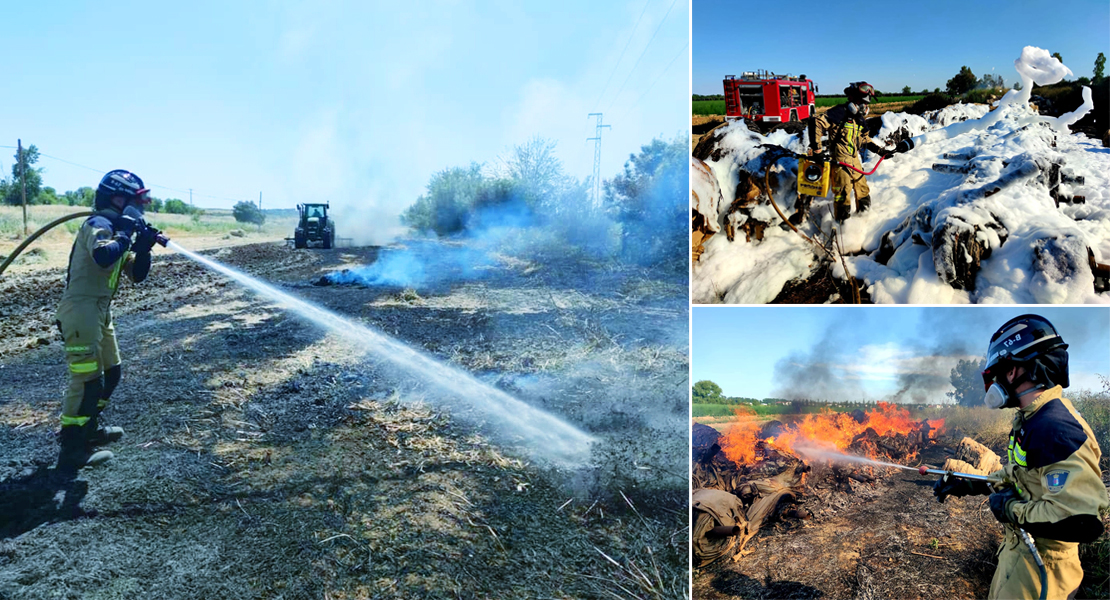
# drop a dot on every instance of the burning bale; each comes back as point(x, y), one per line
point(770, 478)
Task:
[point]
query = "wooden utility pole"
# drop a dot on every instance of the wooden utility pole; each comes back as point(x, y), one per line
point(260, 210)
point(23, 181)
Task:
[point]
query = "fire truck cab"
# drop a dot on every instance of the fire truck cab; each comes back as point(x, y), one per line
point(769, 99)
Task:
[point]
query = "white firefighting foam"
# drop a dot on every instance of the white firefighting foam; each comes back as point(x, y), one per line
point(544, 436)
point(1042, 257)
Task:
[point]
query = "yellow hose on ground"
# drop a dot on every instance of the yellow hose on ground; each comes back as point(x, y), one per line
point(34, 236)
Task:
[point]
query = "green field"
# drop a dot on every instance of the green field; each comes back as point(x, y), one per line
point(717, 107)
point(726, 410)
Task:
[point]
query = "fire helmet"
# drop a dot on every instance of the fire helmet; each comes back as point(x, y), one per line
point(121, 183)
point(1031, 342)
point(860, 91)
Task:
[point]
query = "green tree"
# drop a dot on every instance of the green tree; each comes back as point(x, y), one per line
point(48, 195)
point(963, 82)
point(14, 188)
point(535, 171)
point(1083, 81)
point(1100, 67)
point(177, 207)
point(967, 379)
point(248, 212)
point(706, 392)
point(650, 200)
point(907, 91)
point(82, 196)
point(1057, 56)
point(447, 200)
point(1017, 85)
point(155, 205)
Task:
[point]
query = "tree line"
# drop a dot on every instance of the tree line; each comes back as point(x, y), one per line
point(13, 187)
point(965, 81)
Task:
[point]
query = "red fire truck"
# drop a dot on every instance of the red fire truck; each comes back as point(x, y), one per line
point(769, 99)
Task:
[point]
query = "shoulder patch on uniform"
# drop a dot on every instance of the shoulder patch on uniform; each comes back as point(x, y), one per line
point(100, 222)
point(1052, 435)
point(1056, 480)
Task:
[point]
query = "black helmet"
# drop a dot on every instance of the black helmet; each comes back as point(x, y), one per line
point(860, 91)
point(1029, 341)
point(121, 183)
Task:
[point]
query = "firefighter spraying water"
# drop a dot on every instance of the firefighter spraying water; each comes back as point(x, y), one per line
point(115, 240)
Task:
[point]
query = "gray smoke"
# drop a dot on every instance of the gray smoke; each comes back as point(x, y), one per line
point(943, 336)
point(813, 374)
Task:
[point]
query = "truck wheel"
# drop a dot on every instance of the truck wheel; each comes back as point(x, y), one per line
point(299, 241)
point(793, 115)
point(327, 239)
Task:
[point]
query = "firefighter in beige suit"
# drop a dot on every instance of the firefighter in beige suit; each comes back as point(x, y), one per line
point(848, 135)
point(1058, 495)
point(101, 254)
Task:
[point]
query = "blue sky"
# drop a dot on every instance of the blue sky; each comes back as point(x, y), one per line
point(890, 44)
point(353, 101)
point(870, 352)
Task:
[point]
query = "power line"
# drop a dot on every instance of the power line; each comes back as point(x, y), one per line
point(637, 63)
point(661, 74)
point(161, 187)
point(618, 63)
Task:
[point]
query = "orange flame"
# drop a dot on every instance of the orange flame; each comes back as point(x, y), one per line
point(834, 430)
point(738, 443)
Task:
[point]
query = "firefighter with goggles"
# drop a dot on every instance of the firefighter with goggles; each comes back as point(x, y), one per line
point(1058, 495)
point(847, 130)
point(115, 241)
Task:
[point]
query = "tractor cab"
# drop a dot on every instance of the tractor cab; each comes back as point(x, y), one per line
point(314, 226)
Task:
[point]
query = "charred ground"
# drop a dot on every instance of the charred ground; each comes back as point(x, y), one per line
point(264, 459)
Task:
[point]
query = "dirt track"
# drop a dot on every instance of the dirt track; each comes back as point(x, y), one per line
point(265, 459)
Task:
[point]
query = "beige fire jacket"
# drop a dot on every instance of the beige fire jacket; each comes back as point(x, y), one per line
point(1054, 464)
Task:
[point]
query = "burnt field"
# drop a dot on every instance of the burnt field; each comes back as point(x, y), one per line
point(816, 528)
point(265, 458)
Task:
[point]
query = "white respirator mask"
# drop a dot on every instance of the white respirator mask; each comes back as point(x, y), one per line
point(996, 396)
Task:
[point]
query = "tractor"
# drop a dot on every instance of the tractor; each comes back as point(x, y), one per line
point(767, 101)
point(314, 226)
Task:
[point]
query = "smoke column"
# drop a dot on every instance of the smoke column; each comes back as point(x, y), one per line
point(548, 437)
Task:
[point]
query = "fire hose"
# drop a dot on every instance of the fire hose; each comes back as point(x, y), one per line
point(998, 484)
point(872, 171)
point(771, 196)
point(159, 236)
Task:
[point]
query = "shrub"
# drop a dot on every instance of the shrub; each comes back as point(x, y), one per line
point(931, 102)
point(248, 212)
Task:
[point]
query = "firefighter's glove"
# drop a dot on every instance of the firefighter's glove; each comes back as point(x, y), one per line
point(127, 225)
point(903, 146)
point(955, 486)
point(145, 239)
point(1002, 505)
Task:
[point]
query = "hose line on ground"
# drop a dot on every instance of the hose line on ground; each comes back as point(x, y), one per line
point(832, 256)
point(34, 236)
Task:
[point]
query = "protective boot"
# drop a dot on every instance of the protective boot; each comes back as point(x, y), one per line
point(76, 452)
point(101, 436)
point(862, 204)
point(842, 210)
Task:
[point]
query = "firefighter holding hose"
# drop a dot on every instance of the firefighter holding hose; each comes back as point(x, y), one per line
point(847, 130)
point(113, 241)
point(1058, 494)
